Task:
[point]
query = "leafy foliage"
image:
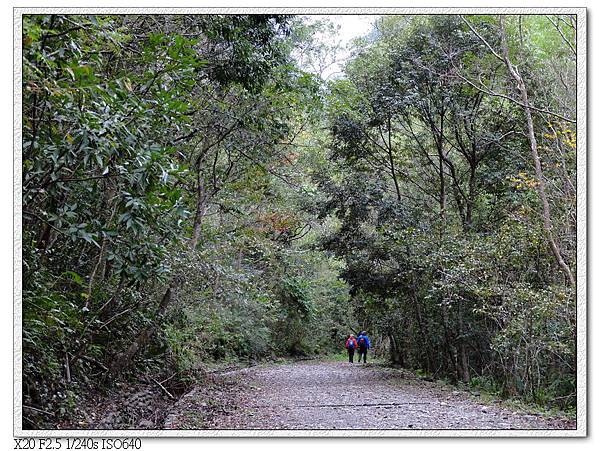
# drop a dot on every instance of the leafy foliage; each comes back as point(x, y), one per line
point(193, 194)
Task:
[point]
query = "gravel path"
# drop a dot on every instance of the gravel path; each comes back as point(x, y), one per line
point(338, 395)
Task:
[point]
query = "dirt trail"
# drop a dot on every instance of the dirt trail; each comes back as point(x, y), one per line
point(338, 395)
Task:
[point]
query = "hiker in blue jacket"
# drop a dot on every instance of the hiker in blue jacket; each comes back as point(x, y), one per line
point(363, 345)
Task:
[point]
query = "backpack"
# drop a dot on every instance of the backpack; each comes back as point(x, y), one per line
point(362, 342)
point(350, 344)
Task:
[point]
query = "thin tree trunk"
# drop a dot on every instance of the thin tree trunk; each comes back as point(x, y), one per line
point(395, 353)
point(420, 323)
point(442, 189)
point(471, 197)
point(391, 158)
point(100, 261)
point(536, 158)
point(440, 148)
point(462, 348)
point(200, 212)
point(450, 349)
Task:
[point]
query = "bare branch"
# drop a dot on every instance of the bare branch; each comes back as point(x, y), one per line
point(557, 26)
point(481, 38)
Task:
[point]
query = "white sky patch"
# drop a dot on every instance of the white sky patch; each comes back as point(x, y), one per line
point(350, 27)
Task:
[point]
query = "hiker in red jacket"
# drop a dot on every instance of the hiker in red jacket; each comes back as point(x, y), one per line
point(351, 345)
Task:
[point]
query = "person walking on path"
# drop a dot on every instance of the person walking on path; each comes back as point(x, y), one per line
point(363, 346)
point(351, 345)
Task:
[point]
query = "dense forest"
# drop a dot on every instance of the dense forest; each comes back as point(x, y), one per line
point(196, 193)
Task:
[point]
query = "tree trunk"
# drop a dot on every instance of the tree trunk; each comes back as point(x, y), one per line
point(536, 158)
point(442, 199)
point(439, 141)
point(200, 212)
point(391, 159)
point(395, 352)
point(471, 197)
point(422, 330)
point(124, 359)
point(450, 349)
point(462, 348)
